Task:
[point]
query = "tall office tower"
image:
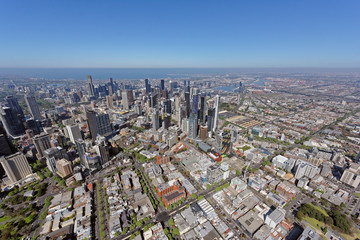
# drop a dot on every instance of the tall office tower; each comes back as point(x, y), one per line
point(125, 100)
point(147, 86)
point(210, 119)
point(162, 84)
point(111, 87)
point(109, 101)
point(171, 86)
point(35, 126)
point(155, 119)
point(184, 84)
point(193, 126)
point(130, 95)
point(167, 104)
point(14, 105)
point(74, 132)
point(203, 132)
point(91, 86)
point(5, 148)
point(202, 108)
point(195, 104)
point(99, 124)
point(188, 83)
point(80, 147)
point(167, 121)
point(153, 100)
point(16, 167)
point(33, 107)
point(217, 100)
point(138, 110)
point(42, 142)
point(12, 124)
point(188, 88)
point(187, 104)
point(64, 168)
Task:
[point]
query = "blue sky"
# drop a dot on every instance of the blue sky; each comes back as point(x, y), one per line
point(114, 33)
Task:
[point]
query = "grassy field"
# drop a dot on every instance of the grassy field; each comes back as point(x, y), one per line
point(314, 222)
point(355, 235)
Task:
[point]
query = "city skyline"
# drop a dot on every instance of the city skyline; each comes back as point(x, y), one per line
point(167, 35)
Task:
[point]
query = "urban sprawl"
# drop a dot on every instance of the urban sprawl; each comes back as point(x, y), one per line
point(263, 156)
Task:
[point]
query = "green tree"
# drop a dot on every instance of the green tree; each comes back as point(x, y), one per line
point(171, 222)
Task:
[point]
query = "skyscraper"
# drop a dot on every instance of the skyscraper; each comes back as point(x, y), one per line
point(5, 148)
point(202, 108)
point(210, 119)
point(42, 142)
point(91, 86)
point(217, 100)
point(162, 84)
point(147, 86)
point(203, 132)
point(16, 167)
point(153, 100)
point(130, 96)
point(109, 101)
point(193, 126)
point(138, 110)
point(167, 121)
point(111, 87)
point(195, 104)
point(167, 105)
point(12, 124)
point(80, 147)
point(155, 119)
point(125, 100)
point(171, 86)
point(74, 132)
point(99, 124)
point(187, 103)
point(14, 105)
point(33, 107)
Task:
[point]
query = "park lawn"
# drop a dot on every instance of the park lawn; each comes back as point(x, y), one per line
point(355, 235)
point(320, 209)
point(314, 222)
point(357, 194)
